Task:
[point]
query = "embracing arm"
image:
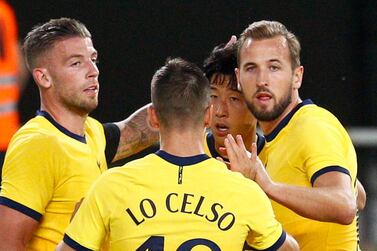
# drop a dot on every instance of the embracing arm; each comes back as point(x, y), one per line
point(361, 197)
point(330, 199)
point(135, 134)
point(290, 244)
point(63, 247)
point(16, 229)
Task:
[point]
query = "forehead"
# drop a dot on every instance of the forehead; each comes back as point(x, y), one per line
point(265, 50)
point(73, 46)
point(225, 81)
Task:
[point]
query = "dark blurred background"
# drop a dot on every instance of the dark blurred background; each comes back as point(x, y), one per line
point(339, 46)
point(339, 53)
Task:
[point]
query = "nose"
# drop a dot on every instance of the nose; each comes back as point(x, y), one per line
point(221, 108)
point(93, 71)
point(262, 78)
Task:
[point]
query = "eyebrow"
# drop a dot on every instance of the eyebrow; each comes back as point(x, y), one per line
point(214, 87)
point(94, 53)
point(273, 60)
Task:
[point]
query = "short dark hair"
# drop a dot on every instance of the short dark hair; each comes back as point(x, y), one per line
point(180, 94)
point(43, 36)
point(222, 61)
point(269, 29)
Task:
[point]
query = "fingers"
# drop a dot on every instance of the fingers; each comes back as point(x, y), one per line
point(231, 147)
point(253, 156)
point(232, 40)
point(240, 143)
point(222, 150)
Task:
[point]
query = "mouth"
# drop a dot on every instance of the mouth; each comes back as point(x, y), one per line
point(92, 90)
point(263, 97)
point(221, 129)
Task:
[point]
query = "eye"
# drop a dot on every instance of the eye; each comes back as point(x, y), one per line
point(250, 68)
point(76, 63)
point(213, 96)
point(234, 99)
point(95, 60)
point(274, 68)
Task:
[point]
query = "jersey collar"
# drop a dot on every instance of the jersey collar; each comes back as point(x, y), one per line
point(61, 128)
point(182, 161)
point(286, 119)
point(211, 145)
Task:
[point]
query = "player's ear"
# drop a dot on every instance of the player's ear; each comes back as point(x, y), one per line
point(208, 116)
point(297, 77)
point(42, 77)
point(152, 118)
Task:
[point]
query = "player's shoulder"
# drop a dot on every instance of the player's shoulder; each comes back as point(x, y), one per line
point(231, 178)
point(313, 113)
point(93, 126)
point(92, 122)
point(137, 165)
point(37, 132)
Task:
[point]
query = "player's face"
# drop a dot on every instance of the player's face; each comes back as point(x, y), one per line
point(231, 115)
point(266, 77)
point(74, 74)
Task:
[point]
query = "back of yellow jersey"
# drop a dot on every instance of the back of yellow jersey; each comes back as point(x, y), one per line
point(165, 202)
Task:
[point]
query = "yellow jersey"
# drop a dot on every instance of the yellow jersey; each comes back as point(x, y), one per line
point(166, 202)
point(307, 143)
point(47, 170)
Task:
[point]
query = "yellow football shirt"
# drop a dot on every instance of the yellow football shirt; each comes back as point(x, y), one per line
point(47, 170)
point(309, 142)
point(165, 202)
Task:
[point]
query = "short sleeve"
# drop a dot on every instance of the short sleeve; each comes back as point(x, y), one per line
point(328, 149)
point(29, 175)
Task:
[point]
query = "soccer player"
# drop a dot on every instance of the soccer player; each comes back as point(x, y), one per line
point(55, 157)
point(231, 114)
point(310, 161)
point(171, 199)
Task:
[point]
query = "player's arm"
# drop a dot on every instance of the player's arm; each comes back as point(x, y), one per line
point(16, 229)
point(135, 134)
point(64, 247)
point(290, 244)
point(361, 197)
point(330, 199)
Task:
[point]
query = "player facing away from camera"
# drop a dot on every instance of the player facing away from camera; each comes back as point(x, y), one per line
point(177, 198)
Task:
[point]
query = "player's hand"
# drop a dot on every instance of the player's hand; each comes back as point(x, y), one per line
point(232, 40)
point(245, 162)
point(240, 159)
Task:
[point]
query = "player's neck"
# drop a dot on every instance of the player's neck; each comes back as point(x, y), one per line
point(183, 143)
point(248, 140)
point(73, 122)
